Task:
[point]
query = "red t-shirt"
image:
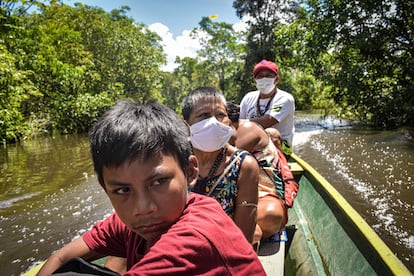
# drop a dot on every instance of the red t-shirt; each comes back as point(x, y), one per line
point(204, 241)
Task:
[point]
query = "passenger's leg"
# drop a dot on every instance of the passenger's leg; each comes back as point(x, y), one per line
point(271, 215)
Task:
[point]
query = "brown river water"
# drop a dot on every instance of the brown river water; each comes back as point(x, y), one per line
point(49, 193)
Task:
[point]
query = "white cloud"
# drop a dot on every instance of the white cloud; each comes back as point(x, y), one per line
point(241, 25)
point(181, 46)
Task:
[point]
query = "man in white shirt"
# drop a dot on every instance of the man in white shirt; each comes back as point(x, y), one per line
point(270, 106)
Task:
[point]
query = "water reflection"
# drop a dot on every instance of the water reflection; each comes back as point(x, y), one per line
point(38, 167)
point(49, 195)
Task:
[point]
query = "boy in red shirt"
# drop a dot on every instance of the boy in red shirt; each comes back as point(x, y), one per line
point(144, 162)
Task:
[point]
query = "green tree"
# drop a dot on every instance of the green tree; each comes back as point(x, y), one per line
point(297, 74)
point(189, 74)
point(53, 51)
point(15, 84)
point(15, 88)
point(123, 52)
point(64, 66)
point(223, 51)
point(364, 50)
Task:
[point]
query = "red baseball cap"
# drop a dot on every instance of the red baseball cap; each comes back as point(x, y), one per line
point(265, 64)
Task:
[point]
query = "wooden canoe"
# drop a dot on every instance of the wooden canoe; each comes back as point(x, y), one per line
point(324, 235)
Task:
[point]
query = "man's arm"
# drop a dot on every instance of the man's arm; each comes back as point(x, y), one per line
point(265, 121)
point(247, 137)
point(76, 248)
point(250, 136)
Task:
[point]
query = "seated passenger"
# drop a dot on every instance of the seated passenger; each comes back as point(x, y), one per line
point(226, 174)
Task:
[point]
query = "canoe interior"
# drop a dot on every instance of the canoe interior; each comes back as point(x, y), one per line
point(272, 257)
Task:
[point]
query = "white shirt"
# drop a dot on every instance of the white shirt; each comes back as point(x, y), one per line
point(282, 108)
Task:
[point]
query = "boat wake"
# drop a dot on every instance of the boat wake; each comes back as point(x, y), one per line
point(8, 203)
point(302, 138)
point(372, 171)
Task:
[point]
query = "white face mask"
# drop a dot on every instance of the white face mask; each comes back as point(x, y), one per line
point(265, 85)
point(210, 135)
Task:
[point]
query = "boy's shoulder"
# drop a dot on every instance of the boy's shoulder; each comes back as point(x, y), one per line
point(204, 232)
point(206, 216)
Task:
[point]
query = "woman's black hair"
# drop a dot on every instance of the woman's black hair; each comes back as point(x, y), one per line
point(233, 111)
point(194, 96)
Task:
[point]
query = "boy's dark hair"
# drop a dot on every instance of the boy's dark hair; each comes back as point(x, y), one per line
point(129, 131)
point(195, 95)
point(233, 111)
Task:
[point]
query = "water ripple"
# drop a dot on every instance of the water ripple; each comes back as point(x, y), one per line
point(9, 202)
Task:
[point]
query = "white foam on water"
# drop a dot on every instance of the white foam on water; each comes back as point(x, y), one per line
point(301, 138)
point(408, 241)
point(387, 220)
point(360, 186)
point(380, 201)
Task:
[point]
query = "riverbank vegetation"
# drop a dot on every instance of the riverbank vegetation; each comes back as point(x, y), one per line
point(61, 67)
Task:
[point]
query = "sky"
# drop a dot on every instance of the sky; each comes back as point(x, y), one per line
point(172, 20)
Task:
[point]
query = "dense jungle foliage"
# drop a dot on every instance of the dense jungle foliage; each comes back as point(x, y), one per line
point(61, 67)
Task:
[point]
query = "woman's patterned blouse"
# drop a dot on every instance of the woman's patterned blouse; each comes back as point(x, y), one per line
point(226, 191)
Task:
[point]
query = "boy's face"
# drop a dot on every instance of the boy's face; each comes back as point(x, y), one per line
point(149, 196)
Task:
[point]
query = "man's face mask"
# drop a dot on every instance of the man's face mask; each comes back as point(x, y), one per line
point(265, 85)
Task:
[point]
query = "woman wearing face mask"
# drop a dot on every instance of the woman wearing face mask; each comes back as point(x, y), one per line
point(270, 106)
point(225, 173)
